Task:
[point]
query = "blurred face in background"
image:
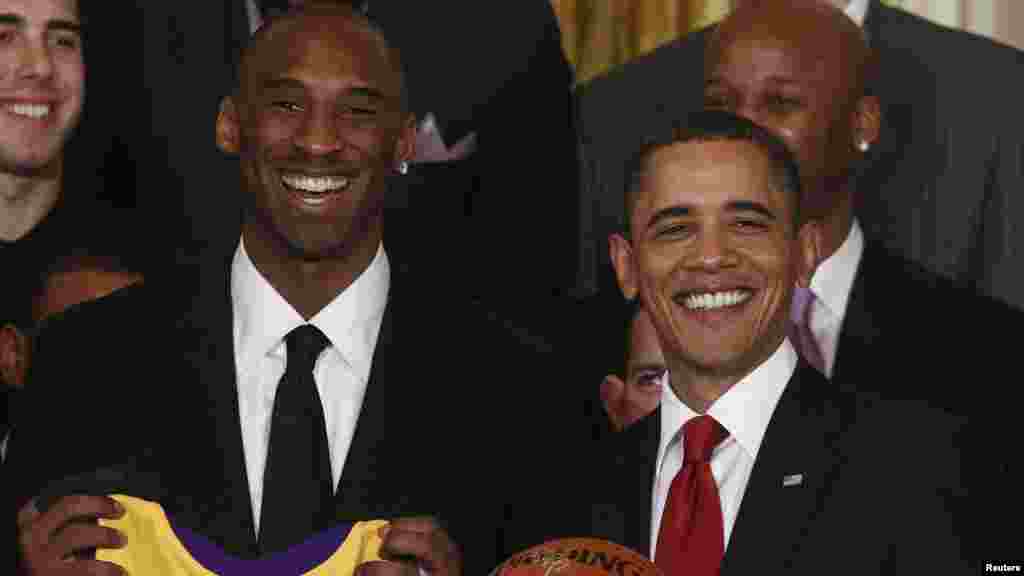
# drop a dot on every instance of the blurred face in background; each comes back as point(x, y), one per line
point(629, 399)
point(793, 69)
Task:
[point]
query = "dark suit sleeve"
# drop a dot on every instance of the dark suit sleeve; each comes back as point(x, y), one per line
point(943, 184)
point(530, 438)
point(527, 150)
point(1002, 255)
point(506, 79)
point(617, 113)
point(84, 406)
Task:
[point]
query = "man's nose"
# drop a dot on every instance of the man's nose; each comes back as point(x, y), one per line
point(710, 250)
point(35, 60)
point(320, 134)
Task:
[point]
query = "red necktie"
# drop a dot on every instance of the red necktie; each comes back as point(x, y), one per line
point(691, 540)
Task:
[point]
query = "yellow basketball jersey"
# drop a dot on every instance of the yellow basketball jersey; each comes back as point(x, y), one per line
point(154, 546)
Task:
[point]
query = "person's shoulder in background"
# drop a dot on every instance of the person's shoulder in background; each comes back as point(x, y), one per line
point(932, 43)
point(90, 365)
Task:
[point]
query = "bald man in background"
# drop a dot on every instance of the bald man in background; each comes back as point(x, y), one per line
point(937, 188)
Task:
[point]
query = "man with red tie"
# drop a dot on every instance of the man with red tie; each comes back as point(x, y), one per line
point(754, 463)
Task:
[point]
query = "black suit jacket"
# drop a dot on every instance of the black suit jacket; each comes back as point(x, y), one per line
point(883, 488)
point(938, 343)
point(935, 333)
point(938, 188)
point(146, 379)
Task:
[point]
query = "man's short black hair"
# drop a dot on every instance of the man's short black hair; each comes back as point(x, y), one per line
point(714, 126)
point(361, 8)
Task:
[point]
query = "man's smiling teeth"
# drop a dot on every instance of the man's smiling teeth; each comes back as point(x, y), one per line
point(314, 184)
point(29, 110)
point(711, 301)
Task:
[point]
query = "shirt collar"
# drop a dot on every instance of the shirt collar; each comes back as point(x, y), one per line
point(744, 410)
point(833, 279)
point(857, 10)
point(252, 11)
point(262, 317)
point(352, 320)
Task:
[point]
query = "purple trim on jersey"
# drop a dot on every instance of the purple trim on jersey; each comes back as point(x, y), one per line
point(296, 560)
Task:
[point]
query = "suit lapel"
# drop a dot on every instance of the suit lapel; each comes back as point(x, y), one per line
point(224, 509)
point(859, 326)
point(872, 20)
point(359, 476)
point(773, 517)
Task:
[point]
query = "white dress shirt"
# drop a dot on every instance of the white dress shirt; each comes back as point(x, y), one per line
point(831, 285)
point(262, 318)
point(744, 411)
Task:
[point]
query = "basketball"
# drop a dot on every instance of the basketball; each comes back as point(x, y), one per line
point(578, 557)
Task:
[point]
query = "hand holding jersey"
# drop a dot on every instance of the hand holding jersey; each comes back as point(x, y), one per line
point(133, 535)
point(415, 542)
point(310, 244)
point(66, 530)
point(155, 544)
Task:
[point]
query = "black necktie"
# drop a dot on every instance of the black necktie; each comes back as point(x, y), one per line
point(297, 483)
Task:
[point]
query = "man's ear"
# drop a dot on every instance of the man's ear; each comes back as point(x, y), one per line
point(227, 129)
point(613, 392)
point(867, 122)
point(621, 252)
point(405, 146)
point(13, 356)
point(809, 238)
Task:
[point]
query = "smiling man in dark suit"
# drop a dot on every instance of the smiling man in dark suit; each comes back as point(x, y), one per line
point(490, 78)
point(253, 450)
point(937, 188)
point(753, 462)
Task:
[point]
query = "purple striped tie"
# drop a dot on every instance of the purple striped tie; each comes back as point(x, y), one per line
point(800, 328)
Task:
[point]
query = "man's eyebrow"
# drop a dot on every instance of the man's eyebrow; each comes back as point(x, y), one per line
point(750, 206)
point(666, 213)
point(281, 82)
point(358, 91)
point(11, 20)
point(367, 92)
point(780, 79)
point(64, 25)
point(718, 79)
